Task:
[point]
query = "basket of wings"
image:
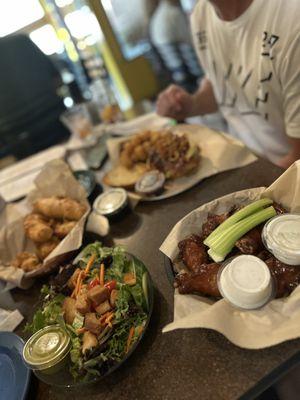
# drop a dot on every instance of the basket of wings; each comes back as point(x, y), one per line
point(275, 322)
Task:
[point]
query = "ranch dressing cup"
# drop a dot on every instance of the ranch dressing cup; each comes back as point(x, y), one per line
point(281, 236)
point(47, 350)
point(150, 183)
point(246, 282)
point(111, 203)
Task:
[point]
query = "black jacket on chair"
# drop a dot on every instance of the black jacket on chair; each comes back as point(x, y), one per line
point(29, 105)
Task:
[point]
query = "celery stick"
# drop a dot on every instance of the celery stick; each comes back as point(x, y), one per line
point(227, 239)
point(243, 226)
point(236, 217)
point(216, 257)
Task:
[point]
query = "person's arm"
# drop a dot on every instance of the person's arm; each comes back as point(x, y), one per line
point(176, 103)
point(204, 101)
point(292, 156)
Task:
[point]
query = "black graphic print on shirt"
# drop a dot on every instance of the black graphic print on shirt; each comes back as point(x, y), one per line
point(225, 76)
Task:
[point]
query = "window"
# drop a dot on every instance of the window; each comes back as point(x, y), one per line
point(45, 38)
point(129, 22)
point(63, 3)
point(15, 14)
point(83, 23)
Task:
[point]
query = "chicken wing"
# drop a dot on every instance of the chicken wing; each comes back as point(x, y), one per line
point(287, 277)
point(212, 222)
point(279, 208)
point(193, 252)
point(202, 281)
point(251, 243)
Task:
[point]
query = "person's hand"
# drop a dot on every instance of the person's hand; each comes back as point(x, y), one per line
point(293, 155)
point(174, 102)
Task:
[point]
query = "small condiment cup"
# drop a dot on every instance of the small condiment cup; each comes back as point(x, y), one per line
point(246, 282)
point(111, 203)
point(281, 236)
point(150, 183)
point(47, 350)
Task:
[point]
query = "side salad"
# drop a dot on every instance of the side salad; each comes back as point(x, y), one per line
point(103, 306)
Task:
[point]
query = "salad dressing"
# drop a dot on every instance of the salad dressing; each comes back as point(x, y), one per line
point(111, 202)
point(47, 349)
point(281, 235)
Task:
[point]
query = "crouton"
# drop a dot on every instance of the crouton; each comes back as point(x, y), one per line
point(103, 308)
point(129, 279)
point(98, 294)
point(113, 297)
point(69, 310)
point(89, 341)
point(83, 304)
point(92, 323)
point(73, 280)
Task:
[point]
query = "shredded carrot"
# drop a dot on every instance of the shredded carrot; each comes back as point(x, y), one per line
point(79, 282)
point(81, 330)
point(140, 330)
point(90, 263)
point(79, 288)
point(76, 286)
point(109, 318)
point(102, 274)
point(105, 316)
point(129, 340)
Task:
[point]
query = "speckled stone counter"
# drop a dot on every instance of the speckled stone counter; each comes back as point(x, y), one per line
point(185, 364)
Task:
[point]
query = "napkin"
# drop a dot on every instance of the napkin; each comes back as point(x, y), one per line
point(9, 320)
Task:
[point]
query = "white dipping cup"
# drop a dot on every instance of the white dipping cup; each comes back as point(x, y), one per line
point(246, 282)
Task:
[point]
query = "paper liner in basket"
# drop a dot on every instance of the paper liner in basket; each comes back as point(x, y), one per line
point(56, 179)
point(276, 322)
point(219, 152)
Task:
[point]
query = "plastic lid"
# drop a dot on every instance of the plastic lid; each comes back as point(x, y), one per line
point(150, 182)
point(46, 348)
point(110, 202)
point(246, 282)
point(281, 236)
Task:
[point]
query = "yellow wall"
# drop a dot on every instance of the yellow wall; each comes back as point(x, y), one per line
point(134, 79)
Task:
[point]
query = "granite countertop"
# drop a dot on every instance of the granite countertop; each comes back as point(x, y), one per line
point(183, 364)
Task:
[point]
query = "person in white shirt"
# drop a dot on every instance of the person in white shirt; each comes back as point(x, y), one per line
point(169, 24)
point(171, 37)
point(250, 52)
point(188, 5)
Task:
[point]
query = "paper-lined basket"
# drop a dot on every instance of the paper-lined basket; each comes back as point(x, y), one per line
point(56, 179)
point(276, 322)
point(219, 152)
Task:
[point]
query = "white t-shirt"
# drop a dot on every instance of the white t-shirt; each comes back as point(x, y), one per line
point(253, 64)
point(169, 25)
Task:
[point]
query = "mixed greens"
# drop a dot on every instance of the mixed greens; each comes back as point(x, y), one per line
point(104, 307)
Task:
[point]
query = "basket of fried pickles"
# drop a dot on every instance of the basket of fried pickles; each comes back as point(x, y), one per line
point(46, 228)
